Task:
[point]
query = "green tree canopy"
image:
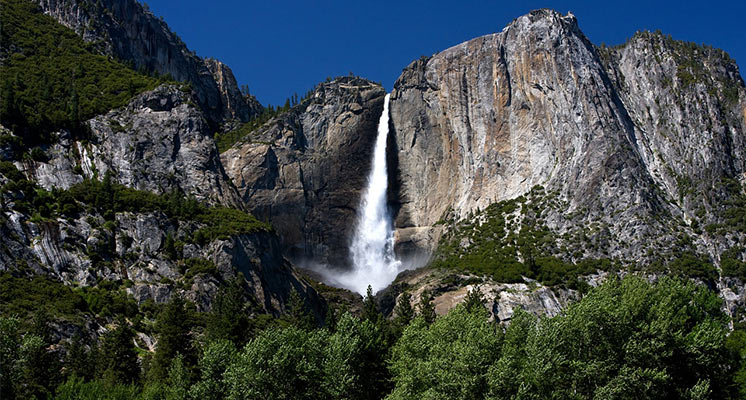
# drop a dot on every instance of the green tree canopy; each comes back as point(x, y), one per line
point(174, 337)
point(626, 339)
point(448, 359)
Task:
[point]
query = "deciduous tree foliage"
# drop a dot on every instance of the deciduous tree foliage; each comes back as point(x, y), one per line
point(448, 359)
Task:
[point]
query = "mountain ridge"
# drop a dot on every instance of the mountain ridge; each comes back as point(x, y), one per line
point(129, 31)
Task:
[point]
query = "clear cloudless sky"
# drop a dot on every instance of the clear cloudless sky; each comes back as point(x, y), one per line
point(278, 48)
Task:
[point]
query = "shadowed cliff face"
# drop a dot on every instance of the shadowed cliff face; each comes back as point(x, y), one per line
point(130, 32)
point(488, 119)
point(61, 249)
point(304, 171)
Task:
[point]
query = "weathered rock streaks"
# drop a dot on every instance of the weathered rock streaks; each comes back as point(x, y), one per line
point(490, 118)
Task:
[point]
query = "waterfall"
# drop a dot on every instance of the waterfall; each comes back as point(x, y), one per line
point(372, 248)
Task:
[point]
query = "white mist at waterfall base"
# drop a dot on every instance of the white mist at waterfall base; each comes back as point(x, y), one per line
point(372, 248)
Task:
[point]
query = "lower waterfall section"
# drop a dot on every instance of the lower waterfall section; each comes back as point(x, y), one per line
point(372, 248)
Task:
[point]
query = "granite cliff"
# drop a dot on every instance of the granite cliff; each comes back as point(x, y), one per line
point(550, 149)
point(160, 146)
point(160, 142)
point(538, 104)
point(535, 136)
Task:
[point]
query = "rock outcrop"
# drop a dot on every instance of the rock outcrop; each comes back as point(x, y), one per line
point(489, 119)
point(502, 300)
point(160, 142)
point(304, 171)
point(687, 103)
point(129, 31)
point(235, 104)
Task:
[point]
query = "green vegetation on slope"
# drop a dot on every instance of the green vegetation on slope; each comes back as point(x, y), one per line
point(731, 264)
point(23, 297)
point(734, 212)
point(691, 59)
point(50, 78)
point(107, 198)
point(226, 140)
point(508, 241)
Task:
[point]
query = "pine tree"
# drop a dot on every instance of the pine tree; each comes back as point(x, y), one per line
point(179, 379)
point(169, 248)
point(403, 310)
point(105, 197)
point(330, 319)
point(40, 325)
point(74, 112)
point(229, 317)
point(118, 357)
point(173, 328)
point(298, 315)
point(474, 301)
point(80, 361)
point(370, 308)
point(9, 115)
point(426, 308)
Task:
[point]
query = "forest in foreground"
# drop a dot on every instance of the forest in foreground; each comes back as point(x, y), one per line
point(626, 339)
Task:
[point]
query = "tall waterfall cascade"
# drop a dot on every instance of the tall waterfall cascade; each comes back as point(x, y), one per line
point(372, 248)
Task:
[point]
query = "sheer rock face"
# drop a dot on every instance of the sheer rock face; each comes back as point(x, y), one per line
point(687, 103)
point(490, 118)
point(130, 32)
point(305, 170)
point(235, 105)
point(160, 142)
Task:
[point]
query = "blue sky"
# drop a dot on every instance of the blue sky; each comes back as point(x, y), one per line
point(282, 47)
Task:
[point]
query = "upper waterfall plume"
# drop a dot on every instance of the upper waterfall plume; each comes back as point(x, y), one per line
point(372, 248)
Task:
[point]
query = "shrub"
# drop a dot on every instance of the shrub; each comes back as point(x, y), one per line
point(731, 264)
point(24, 296)
point(196, 266)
